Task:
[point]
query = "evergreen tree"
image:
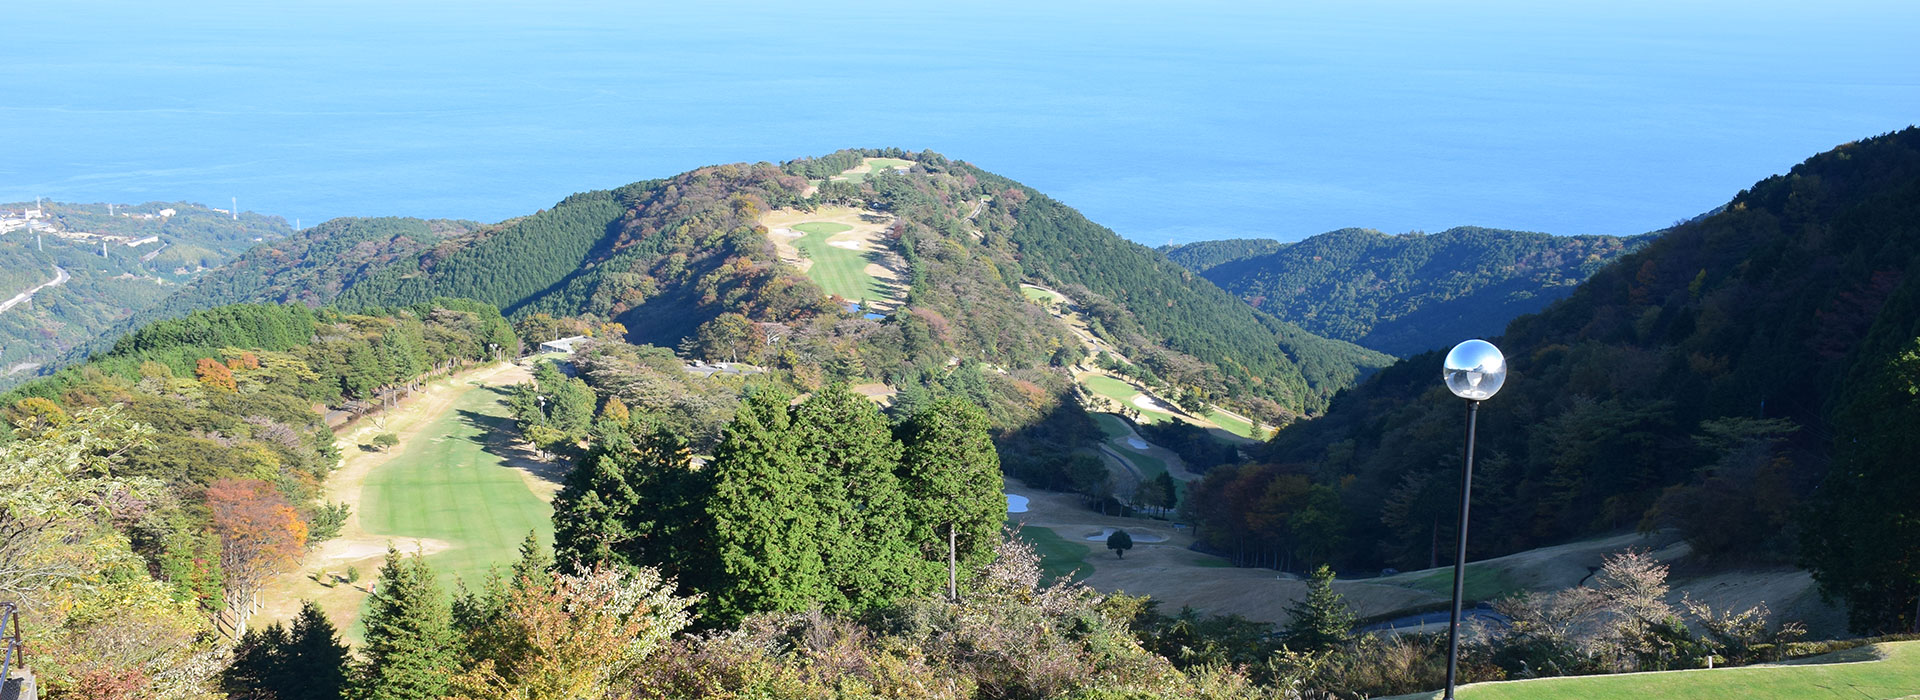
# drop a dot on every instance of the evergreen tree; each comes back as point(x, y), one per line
point(861, 506)
point(951, 474)
point(259, 664)
point(1120, 542)
point(534, 568)
point(1322, 619)
point(572, 406)
point(409, 652)
point(765, 528)
point(315, 663)
point(1862, 537)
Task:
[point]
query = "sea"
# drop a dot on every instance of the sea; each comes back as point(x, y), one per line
point(1166, 121)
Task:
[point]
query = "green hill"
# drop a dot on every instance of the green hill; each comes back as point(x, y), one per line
point(1407, 293)
point(1707, 382)
point(119, 265)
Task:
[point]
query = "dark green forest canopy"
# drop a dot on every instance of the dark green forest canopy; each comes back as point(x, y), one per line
point(1404, 294)
point(1693, 383)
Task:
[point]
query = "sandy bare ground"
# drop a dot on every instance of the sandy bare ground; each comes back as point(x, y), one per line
point(869, 229)
point(1177, 576)
point(355, 547)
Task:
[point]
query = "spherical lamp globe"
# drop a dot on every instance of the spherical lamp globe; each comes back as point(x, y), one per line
point(1475, 370)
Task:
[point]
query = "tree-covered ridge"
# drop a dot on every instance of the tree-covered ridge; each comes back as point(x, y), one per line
point(1704, 382)
point(1407, 293)
point(1181, 325)
point(1200, 256)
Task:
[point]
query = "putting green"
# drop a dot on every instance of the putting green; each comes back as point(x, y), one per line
point(837, 270)
point(1896, 674)
point(445, 484)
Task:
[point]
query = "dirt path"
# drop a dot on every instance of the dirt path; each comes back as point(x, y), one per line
point(355, 547)
point(60, 277)
point(1177, 576)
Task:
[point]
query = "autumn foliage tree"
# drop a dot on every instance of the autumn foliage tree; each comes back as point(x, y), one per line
point(215, 375)
point(259, 534)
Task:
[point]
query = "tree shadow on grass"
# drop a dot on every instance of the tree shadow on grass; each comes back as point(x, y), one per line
point(498, 436)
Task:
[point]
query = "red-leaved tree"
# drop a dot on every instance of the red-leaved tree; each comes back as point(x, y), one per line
point(260, 533)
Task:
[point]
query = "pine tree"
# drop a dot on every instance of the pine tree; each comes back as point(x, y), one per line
point(951, 474)
point(409, 652)
point(1322, 619)
point(860, 503)
point(534, 568)
point(259, 664)
point(315, 660)
point(764, 525)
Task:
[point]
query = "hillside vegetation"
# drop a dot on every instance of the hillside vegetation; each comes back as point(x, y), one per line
point(1408, 293)
point(107, 290)
point(1708, 381)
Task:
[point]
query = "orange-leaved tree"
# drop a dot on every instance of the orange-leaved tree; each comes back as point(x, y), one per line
point(259, 534)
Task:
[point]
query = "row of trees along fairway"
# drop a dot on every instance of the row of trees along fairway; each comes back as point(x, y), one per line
point(819, 503)
point(153, 491)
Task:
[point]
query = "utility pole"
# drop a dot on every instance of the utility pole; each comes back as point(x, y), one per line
point(953, 576)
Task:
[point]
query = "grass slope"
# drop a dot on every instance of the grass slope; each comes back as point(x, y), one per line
point(447, 485)
point(837, 270)
point(1895, 674)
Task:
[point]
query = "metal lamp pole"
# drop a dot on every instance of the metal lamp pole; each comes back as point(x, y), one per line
point(1474, 371)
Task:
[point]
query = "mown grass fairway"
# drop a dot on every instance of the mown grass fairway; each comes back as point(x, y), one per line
point(1233, 425)
point(1895, 675)
point(1041, 295)
point(445, 484)
point(837, 270)
point(1058, 557)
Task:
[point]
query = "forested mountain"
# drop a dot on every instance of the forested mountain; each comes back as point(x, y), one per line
point(668, 258)
point(1200, 256)
point(1403, 294)
point(117, 265)
point(1724, 378)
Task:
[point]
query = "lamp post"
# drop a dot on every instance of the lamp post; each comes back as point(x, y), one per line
point(1474, 371)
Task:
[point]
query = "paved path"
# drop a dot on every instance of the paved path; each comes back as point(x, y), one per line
point(60, 277)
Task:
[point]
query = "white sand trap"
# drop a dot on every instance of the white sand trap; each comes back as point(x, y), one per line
point(1102, 536)
point(1016, 503)
point(1151, 404)
point(849, 245)
point(787, 232)
point(1137, 443)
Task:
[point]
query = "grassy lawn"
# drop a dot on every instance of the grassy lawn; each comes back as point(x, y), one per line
point(1896, 675)
point(445, 485)
point(837, 270)
point(1041, 295)
point(1233, 425)
point(1483, 582)
point(1113, 426)
point(878, 164)
point(1058, 556)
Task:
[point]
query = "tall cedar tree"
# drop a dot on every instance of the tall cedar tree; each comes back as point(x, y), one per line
point(862, 509)
point(306, 663)
point(1322, 620)
point(763, 516)
point(1862, 541)
point(409, 652)
point(635, 500)
point(952, 478)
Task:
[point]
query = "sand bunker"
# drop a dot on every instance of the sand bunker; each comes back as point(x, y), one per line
point(1137, 443)
point(849, 245)
point(1016, 503)
point(1152, 404)
point(1104, 533)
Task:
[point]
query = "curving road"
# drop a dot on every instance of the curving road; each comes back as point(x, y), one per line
point(60, 277)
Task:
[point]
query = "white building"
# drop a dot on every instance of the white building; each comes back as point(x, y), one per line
point(566, 345)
